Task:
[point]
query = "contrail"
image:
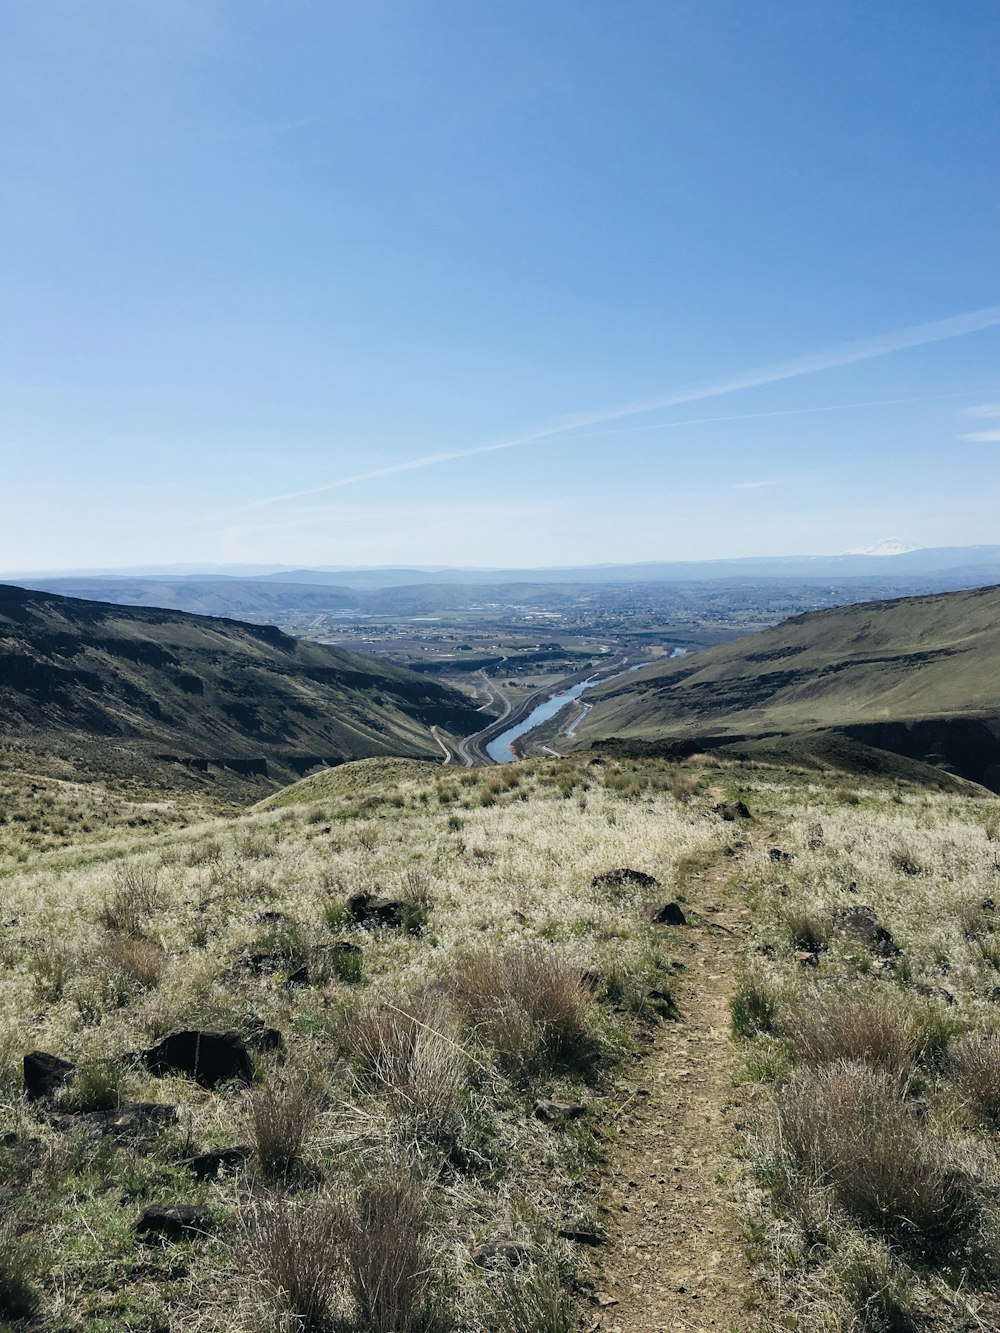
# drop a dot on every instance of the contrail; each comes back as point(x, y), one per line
point(917, 335)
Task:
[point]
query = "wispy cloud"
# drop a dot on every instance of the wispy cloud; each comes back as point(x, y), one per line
point(983, 436)
point(752, 485)
point(983, 410)
point(917, 335)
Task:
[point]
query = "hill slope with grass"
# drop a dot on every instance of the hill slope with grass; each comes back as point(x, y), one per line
point(584, 1043)
point(919, 676)
point(172, 700)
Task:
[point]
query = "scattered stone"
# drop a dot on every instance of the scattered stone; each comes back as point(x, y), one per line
point(602, 1300)
point(272, 917)
point(45, 1074)
point(806, 958)
point(932, 992)
point(345, 946)
point(130, 1120)
point(207, 1165)
point(732, 810)
point(179, 1221)
point(779, 857)
point(816, 836)
point(617, 879)
point(369, 910)
point(670, 914)
point(739, 845)
point(263, 1039)
point(501, 1254)
point(559, 1112)
point(209, 1058)
point(862, 924)
point(582, 1235)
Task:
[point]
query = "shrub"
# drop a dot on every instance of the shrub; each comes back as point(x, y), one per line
point(388, 1257)
point(97, 1085)
point(876, 1286)
point(19, 1264)
point(753, 1008)
point(874, 1031)
point(532, 1301)
point(282, 1115)
point(295, 1246)
point(135, 893)
point(845, 1127)
point(137, 958)
point(806, 929)
point(412, 1057)
point(526, 1002)
point(974, 1065)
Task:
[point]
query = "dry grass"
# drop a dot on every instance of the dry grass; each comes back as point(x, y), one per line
point(846, 1128)
point(411, 1057)
point(974, 1065)
point(388, 1257)
point(525, 1001)
point(282, 1114)
point(295, 1246)
point(134, 895)
point(872, 1030)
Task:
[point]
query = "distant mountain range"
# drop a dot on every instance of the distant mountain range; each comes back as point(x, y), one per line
point(966, 565)
point(918, 677)
point(171, 699)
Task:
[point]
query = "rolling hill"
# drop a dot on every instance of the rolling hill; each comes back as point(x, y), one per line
point(918, 677)
point(172, 699)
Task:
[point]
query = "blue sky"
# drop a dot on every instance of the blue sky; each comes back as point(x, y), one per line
point(258, 260)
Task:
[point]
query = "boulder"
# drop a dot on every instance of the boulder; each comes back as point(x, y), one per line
point(732, 810)
point(559, 1112)
point(209, 1058)
point(582, 1234)
point(368, 910)
point(207, 1165)
point(617, 879)
point(45, 1074)
point(779, 857)
point(501, 1253)
point(178, 1221)
point(670, 914)
point(861, 924)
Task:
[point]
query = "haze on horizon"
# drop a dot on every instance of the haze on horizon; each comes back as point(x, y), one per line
point(436, 284)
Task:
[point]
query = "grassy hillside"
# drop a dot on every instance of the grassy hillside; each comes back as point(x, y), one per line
point(919, 676)
point(177, 700)
point(423, 1144)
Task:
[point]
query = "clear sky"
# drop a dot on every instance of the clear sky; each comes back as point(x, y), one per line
point(720, 275)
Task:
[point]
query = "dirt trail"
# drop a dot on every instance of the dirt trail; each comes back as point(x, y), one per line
point(674, 1258)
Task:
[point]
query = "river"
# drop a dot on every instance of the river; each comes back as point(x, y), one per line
point(499, 749)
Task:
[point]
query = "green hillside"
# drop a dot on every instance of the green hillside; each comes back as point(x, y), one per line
point(919, 676)
point(177, 700)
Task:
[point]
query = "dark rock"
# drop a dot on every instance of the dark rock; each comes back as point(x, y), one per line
point(207, 1165)
point(209, 1058)
point(130, 1120)
point(272, 917)
point(179, 1221)
point(862, 924)
point(263, 1039)
point(559, 1112)
point(732, 810)
point(344, 946)
point(501, 1254)
point(617, 879)
point(369, 910)
point(591, 980)
point(779, 857)
point(806, 957)
point(816, 837)
point(670, 914)
point(300, 976)
point(582, 1235)
point(45, 1074)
